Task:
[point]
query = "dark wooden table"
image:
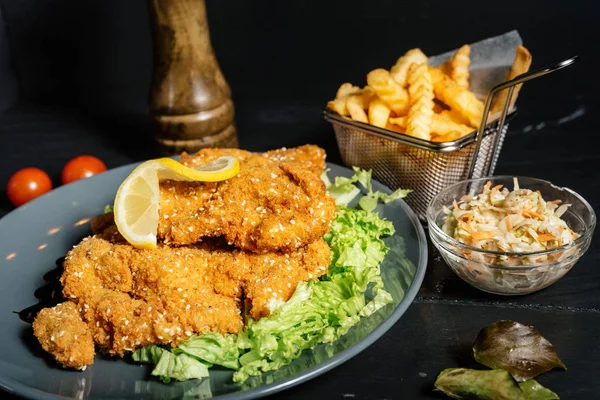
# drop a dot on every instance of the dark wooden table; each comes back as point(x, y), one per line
point(280, 84)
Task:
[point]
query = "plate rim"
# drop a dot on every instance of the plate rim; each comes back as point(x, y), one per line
point(20, 389)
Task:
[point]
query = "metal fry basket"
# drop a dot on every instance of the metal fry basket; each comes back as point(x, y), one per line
point(402, 161)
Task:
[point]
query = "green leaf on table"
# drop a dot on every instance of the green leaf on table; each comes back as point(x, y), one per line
point(534, 391)
point(463, 383)
point(520, 349)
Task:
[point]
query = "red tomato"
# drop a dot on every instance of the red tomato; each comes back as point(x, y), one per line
point(27, 184)
point(82, 167)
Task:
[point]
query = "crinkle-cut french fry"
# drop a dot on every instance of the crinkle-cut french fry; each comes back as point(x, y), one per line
point(420, 113)
point(379, 113)
point(339, 106)
point(448, 137)
point(399, 121)
point(399, 71)
point(437, 107)
point(454, 116)
point(395, 128)
point(459, 66)
point(457, 97)
point(339, 103)
point(445, 67)
point(346, 89)
point(442, 124)
point(394, 95)
point(358, 103)
point(520, 65)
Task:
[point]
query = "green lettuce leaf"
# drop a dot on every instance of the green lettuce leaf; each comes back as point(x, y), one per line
point(319, 311)
point(344, 190)
point(322, 311)
point(170, 365)
point(213, 348)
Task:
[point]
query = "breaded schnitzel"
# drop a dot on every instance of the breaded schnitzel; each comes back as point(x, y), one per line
point(128, 298)
point(276, 203)
point(227, 247)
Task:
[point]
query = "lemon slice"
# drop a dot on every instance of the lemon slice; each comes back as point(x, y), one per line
point(137, 200)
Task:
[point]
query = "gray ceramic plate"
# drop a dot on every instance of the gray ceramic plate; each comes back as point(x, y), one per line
point(35, 235)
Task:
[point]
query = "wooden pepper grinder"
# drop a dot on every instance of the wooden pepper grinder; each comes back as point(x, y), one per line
point(190, 101)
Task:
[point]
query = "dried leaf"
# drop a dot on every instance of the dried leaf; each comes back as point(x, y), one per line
point(534, 391)
point(519, 349)
point(463, 383)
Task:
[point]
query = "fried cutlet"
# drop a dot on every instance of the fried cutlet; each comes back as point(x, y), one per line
point(131, 298)
point(310, 156)
point(63, 334)
point(276, 203)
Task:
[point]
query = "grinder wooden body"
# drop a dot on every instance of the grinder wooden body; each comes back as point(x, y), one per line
point(190, 100)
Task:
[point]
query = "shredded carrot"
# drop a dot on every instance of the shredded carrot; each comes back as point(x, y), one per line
point(482, 235)
point(496, 188)
point(532, 214)
point(522, 222)
point(545, 237)
point(557, 201)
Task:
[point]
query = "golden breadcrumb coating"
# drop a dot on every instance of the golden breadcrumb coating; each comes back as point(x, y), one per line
point(276, 203)
point(131, 298)
point(62, 333)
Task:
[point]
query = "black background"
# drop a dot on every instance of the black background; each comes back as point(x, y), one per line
point(74, 79)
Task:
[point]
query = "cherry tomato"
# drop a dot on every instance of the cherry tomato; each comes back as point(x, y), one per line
point(27, 184)
point(82, 167)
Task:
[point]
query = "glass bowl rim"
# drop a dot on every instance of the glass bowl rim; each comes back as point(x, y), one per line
point(589, 227)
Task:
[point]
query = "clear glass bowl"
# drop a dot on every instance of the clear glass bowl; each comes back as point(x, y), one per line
point(537, 270)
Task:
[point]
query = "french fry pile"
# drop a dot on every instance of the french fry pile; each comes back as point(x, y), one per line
point(430, 103)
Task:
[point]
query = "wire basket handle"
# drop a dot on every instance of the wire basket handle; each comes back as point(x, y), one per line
point(510, 85)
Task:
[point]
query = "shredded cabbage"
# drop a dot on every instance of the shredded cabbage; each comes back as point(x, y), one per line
point(518, 221)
